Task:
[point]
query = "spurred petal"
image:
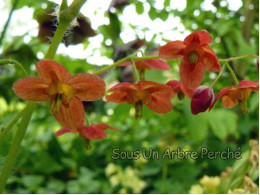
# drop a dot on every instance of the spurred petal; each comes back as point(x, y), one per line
point(87, 87)
point(156, 64)
point(105, 126)
point(210, 59)
point(117, 97)
point(253, 85)
point(159, 103)
point(126, 63)
point(179, 88)
point(202, 37)
point(221, 93)
point(71, 116)
point(121, 86)
point(147, 64)
point(152, 87)
point(122, 93)
point(188, 91)
point(176, 87)
point(49, 69)
point(62, 131)
point(172, 50)
point(95, 131)
point(191, 74)
point(31, 89)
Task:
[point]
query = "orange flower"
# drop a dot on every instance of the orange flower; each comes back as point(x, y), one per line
point(155, 96)
point(142, 65)
point(64, 91)
point(180, 89)
point(196, 57)
point(232, 96)
point(94, 131)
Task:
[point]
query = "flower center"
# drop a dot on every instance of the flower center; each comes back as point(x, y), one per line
point(193, 57)
point(60, 93)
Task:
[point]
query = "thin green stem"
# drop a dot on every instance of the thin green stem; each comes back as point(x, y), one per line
point(11, 61)
point(135, 71)
point(66, 18)
point(8, 21)
point(232, 73)
point(238, 58)
point(62, 27)
point(219, 75)
point(128, 58)
point(11, 124)
point(16, 144)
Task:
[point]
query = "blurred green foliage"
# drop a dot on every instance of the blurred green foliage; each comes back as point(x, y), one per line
point(47, 164)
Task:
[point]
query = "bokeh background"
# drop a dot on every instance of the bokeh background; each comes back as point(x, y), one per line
point(109, 31)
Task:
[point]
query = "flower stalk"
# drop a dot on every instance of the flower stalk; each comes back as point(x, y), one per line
point(11, 124)
point(16, 145)
point(233, 75)
point(66, 17)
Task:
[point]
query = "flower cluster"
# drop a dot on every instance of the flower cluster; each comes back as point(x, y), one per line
point(66, 93)
point(196, 56)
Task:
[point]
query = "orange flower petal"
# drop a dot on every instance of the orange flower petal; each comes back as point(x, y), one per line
point(119, 86)
point(188, 91)
point(179, 87)
point(156, 64)
point(148, 64)
point(172, 50)
point(191, 74)
point(210, 59)
point(227, 102)
point(122, 93)
point(62, 131)
point(202, 37)
point(125, 87)
point(221, 93)
point(253, 85)
point(71, 116)
point(117, 97)
point(87, 87)
point(159, 103)
point(105, 126)
point(126, 63)
point(31, 89)
point(95, 131)
point(47, 68)
point(176, 87)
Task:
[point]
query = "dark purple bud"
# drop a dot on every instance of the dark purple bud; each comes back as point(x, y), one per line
point(202, 99)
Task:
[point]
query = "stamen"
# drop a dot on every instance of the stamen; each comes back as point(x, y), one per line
point(193, 57)
point(56, 103)
point(138, 109)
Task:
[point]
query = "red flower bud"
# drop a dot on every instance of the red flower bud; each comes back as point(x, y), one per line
point(202, 99)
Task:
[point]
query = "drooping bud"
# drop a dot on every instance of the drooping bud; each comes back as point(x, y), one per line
point(202, 99)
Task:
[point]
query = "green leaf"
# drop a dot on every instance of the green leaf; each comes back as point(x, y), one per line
point(139, 7)
point(196, 124)
point(217, 126)
point(55, 186)
point(152, 13)
point(198, 127)
point(253, 102)
point(32, 181)
point(163, 15)
point(223, 122)
point(166, 3)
